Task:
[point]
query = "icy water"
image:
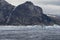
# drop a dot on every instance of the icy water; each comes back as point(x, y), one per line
point(30, 32)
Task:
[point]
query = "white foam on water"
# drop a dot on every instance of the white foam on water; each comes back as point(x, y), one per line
point(27, 27)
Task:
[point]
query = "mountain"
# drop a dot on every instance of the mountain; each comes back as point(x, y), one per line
point(5, 10)
point(29, 14)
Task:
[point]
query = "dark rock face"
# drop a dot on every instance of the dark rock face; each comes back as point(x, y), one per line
point(56, 19)
point(5, 10)
point(28, 14)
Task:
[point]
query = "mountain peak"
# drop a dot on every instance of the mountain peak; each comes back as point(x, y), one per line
point(28, 3)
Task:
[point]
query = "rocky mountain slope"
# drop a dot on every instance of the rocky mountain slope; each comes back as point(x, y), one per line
point(29, 14)
point(25, 14)
point(56, 18)
point(5, 10)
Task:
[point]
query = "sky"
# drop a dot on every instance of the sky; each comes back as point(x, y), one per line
point(48, 6)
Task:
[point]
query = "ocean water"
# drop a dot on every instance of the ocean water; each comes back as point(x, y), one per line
point(35, 32)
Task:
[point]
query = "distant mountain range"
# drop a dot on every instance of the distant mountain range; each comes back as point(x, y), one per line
point(24, 14)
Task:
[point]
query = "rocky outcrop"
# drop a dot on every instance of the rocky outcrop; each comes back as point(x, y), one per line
point(5, 10)
point(28, 14)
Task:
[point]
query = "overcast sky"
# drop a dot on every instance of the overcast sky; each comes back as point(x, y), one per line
point(48, 6)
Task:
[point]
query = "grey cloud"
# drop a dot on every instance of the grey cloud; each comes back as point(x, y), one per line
point(52, 2)
point(51, 10)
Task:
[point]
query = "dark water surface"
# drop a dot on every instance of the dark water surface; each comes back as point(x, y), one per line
point(29, 33)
